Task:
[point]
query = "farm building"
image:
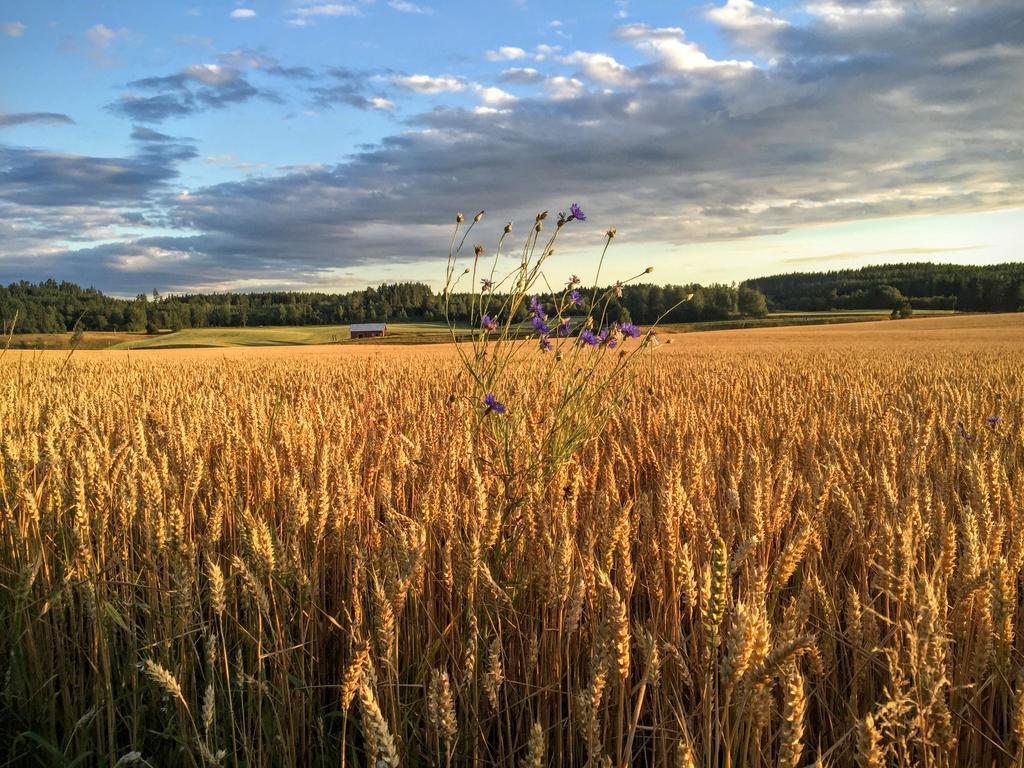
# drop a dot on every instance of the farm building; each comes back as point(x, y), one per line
point(367, 330)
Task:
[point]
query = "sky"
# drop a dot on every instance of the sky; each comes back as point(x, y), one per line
point(303, 145)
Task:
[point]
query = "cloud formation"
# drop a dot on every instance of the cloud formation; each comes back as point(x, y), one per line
point(866, 109)
point(195, 88)
point(24, 118)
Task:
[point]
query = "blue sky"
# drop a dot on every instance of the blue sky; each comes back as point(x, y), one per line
point(301, 144)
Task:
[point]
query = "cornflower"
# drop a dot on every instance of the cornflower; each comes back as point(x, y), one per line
point(493, 404)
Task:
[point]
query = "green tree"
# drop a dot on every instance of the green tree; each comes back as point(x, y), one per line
point(751, 302)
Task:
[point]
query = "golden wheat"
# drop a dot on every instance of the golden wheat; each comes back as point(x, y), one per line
point(769, 556)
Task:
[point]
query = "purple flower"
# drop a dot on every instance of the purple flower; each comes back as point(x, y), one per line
point(564, 328)
point(545, 344)
point(577, 212)
point(588, 337)
point(488, 323)
point(609, 339)
point(993, 420)
point(537, 308)
point(576, 298)
point(540, 325)
point(628, 329)
point(493, 404)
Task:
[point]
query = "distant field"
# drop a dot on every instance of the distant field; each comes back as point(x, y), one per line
point(277, 336)
point(785, 319)
point(398, 333)
point(90, 340)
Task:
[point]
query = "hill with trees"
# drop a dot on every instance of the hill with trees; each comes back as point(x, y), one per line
point(993, 288)
point(57, 307)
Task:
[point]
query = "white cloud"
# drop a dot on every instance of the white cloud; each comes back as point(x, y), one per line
point(405, 7)
point(379, 102)
point(544, 51)
point(305, 15)
point(210, 74)
point(243, 13)
point(600, 67)
point(506, 53)
point(428, 84)
point(101, 35)
point(844, 14)
point(495, 97)
point(490, 111)
point(753, 26)
point(562, 88)
point(745, 15)
point(670, 49)
point(521, 75)
point(13, 28)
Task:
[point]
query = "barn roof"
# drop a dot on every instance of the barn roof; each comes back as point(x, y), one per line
point(364, 327)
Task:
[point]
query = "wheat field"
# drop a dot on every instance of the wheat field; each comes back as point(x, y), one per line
point(787, 547)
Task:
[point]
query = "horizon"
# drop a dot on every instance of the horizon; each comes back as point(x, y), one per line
point(324, 147)
point(436, 291)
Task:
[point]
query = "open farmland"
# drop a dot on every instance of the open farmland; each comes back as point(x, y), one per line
point(787, 544)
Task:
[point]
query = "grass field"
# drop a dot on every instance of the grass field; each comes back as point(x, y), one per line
point(398, 333)
point(89, 340)
point(788, 547)
point(282, 336)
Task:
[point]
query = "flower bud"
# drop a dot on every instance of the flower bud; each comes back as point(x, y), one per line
point(478, 250)
point(459, 218)
point(648, 270)
point(508, 227)
point(478, 217)
point(610, 233)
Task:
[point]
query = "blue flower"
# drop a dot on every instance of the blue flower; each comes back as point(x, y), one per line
point(577, 212)
point(540, 325)
point(588, 337)
point(628, 329)
point(576, 298)
point(493, 404)
point(610, 339)
point(564, 328)
point(488, 323)
point(545, 344)
point(537, 308)
point(993, 420)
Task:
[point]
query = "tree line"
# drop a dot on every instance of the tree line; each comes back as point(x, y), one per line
point(990, 288)
point(57, 307)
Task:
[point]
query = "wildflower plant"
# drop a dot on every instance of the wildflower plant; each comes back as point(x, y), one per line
point(557, 377)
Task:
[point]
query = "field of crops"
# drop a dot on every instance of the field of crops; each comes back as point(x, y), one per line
point(788, 547)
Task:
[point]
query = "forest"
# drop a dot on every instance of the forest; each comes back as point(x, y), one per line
point(55, 307)
point(993, 288)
